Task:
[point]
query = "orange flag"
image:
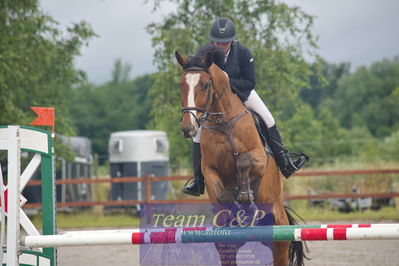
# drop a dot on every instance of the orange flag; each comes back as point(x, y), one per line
point(45, 116)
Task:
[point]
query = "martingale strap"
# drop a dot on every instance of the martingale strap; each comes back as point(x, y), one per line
point(226, 129)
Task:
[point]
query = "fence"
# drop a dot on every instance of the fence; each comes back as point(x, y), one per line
point(148, 182)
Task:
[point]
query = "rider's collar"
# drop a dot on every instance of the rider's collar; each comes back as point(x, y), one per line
point(227, 55)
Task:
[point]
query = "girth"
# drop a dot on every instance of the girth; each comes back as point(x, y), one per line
point(226, 128)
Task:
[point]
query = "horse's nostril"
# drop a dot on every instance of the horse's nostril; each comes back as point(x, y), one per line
point(187, 130)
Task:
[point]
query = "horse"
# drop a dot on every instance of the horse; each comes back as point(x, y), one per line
point(234, 161)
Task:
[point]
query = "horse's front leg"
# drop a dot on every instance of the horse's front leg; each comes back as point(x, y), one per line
point(221, 198)
point(215, 188)
point(244, 164)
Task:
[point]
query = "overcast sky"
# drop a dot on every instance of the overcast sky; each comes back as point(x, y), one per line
point(355, 31)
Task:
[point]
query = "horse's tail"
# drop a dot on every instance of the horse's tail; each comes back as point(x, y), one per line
point(298, 249)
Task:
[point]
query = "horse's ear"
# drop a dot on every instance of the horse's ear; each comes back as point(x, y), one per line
point(182, 61)
point(208, 60)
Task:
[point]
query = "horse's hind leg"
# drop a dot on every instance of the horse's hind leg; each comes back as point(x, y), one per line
point(280, 248)
point(280, 253)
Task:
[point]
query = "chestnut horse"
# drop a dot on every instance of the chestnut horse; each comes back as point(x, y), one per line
point(233, 155)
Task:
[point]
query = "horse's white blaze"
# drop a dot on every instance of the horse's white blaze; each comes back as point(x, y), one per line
point(192, 81)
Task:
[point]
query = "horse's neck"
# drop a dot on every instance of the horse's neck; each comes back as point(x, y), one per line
point(228, 102)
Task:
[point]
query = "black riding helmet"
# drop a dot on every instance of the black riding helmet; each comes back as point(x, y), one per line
point(222, 30)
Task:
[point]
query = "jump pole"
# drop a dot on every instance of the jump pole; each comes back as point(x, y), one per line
point(210, 235)
point(136, 230)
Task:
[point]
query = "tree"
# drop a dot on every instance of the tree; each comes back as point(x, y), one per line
point(36, 63)
point(323, 87)
point(369, 97)
point(273, 31)
point(320, 136)
point(121, 72)
point(120, 104)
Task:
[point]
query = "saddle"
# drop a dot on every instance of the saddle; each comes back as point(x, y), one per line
point(263, 132)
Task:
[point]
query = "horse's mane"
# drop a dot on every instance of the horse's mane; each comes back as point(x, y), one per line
point(216, 55)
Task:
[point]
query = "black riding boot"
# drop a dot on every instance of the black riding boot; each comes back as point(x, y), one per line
point(284, 162)
point(196, 187)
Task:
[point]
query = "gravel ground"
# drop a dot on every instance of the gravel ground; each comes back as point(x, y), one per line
point(376, 252)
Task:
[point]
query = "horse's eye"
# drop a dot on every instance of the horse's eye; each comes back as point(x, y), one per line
point(206, 86)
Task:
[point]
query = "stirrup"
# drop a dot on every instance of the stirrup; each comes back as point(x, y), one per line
point(302, 159)
point(287, 166)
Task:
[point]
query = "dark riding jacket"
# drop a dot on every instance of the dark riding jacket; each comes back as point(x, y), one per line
point(240, 67)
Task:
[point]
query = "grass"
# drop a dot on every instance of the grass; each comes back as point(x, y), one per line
point(343, 184)
point(326, 214)
point(88, 219)
point(316, 214)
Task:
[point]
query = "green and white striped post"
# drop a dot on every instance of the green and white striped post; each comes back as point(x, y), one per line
point(15, 139)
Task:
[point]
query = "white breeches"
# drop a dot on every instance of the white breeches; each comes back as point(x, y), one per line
point(255, 104)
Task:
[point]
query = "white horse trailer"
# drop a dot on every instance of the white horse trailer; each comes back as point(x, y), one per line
point(139, 153)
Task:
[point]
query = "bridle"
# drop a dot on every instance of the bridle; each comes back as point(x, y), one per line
point(206, 112)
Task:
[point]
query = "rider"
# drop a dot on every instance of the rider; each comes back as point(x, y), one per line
point(240, 67)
